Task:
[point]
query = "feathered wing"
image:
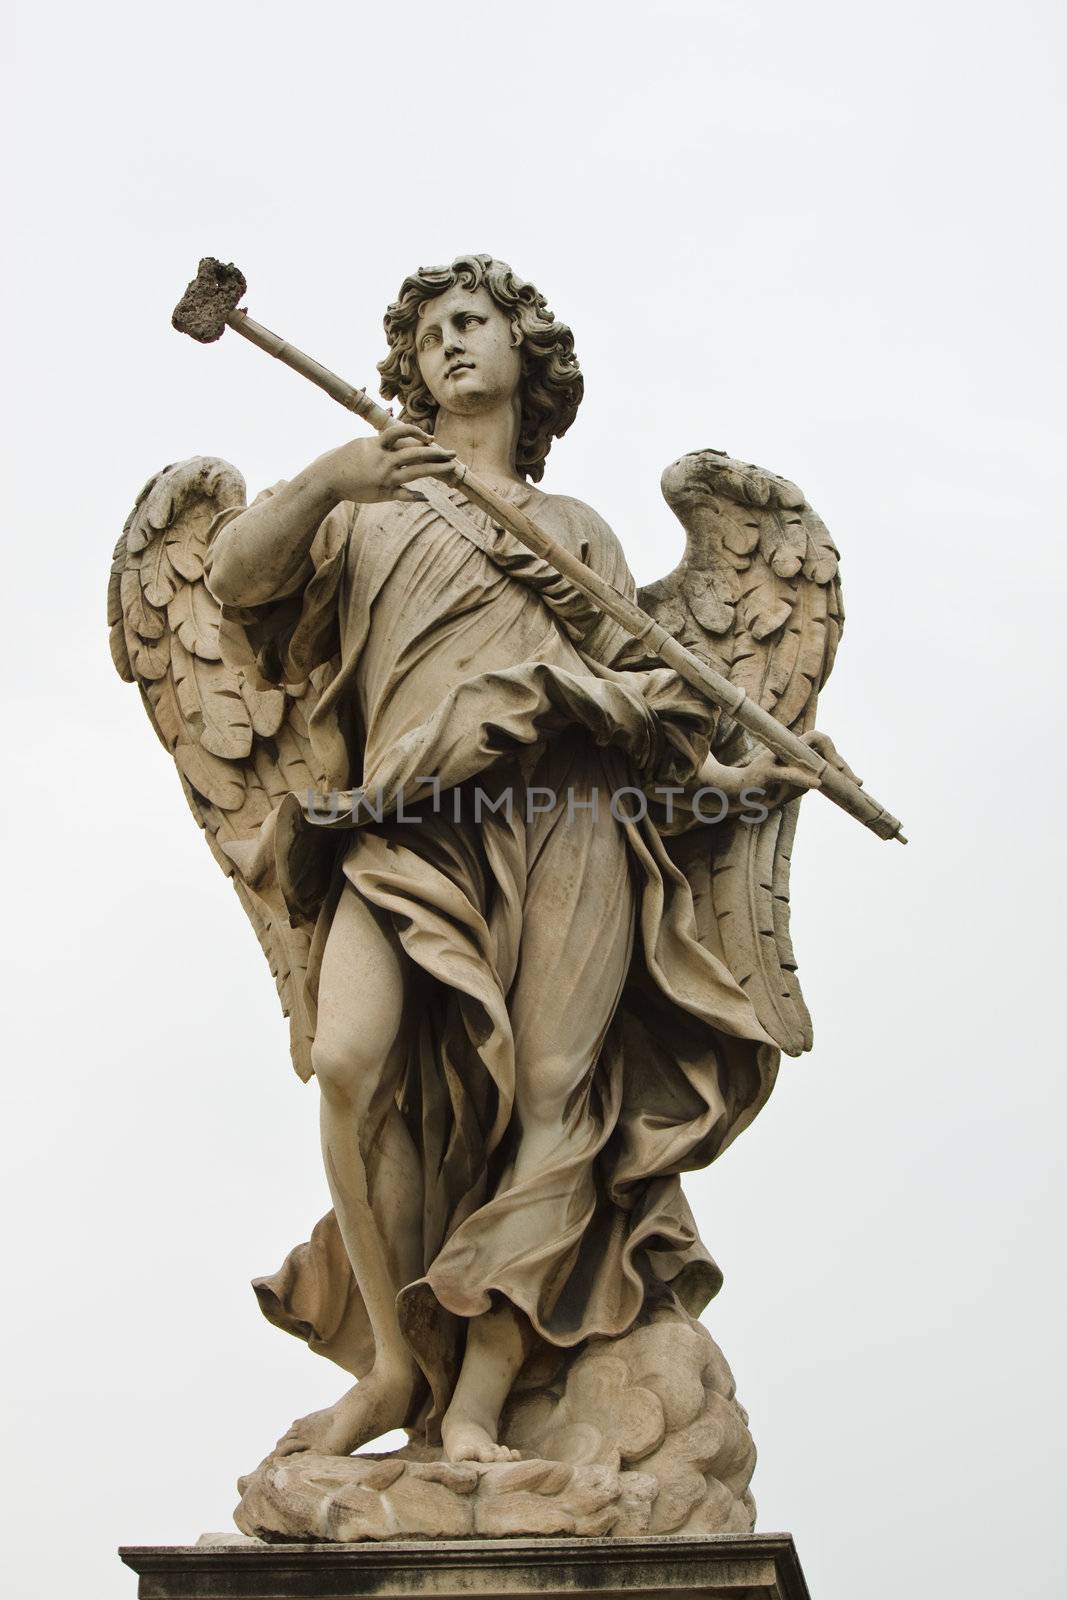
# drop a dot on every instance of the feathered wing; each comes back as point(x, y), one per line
point(758, 595)
point(238, 749)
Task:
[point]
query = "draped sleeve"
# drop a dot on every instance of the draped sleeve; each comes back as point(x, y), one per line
point(604, 640)
point(687, 720)
point(287, 637)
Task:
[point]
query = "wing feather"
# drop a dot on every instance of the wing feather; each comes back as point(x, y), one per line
point(209, 694)
point(239, 748)
point(266, 708)
point(758, 592)
point(194, 616)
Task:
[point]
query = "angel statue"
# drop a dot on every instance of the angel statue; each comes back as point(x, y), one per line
point(525, 896)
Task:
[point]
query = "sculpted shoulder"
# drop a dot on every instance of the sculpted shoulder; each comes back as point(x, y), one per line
point(583, 529)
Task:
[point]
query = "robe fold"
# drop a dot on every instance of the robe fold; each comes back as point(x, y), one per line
point(445, 673)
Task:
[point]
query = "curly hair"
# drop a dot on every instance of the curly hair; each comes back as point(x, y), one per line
point(552, 383)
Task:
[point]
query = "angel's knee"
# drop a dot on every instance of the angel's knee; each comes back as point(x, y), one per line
point(349, 1075)
point(545, 1087)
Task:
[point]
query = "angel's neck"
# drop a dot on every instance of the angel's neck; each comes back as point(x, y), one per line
point(486, 442)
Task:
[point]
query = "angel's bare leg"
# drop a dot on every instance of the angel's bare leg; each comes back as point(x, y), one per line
point(497, 1346)
point(371, 1164)
point(576, 942)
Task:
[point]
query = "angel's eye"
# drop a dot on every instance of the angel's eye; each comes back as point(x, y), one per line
point(427, 340)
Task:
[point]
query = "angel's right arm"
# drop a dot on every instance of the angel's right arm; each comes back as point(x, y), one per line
point(258, 555)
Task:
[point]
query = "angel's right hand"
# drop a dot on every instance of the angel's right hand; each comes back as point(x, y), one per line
point(369, 470)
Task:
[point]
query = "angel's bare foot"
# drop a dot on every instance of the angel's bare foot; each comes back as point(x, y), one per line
point(466, 1439)
point(375, 1404)
point(497, 1344)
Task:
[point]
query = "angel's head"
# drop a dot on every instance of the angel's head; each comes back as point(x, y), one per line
point(472, 334)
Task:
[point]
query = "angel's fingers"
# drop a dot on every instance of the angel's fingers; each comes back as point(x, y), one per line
point(419, 454)
point(397, 432)
point(824, 746)
point(845, 770)
point(797, 777)
point(418, 469)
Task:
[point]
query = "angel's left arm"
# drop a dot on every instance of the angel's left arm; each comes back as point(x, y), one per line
point(760, 773)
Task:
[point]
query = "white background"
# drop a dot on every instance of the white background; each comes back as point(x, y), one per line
point(825, 236)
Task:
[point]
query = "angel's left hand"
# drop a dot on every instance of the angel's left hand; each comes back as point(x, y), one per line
point(761, 774)
point(776, 780)
point(824, 746)
point(782, 780)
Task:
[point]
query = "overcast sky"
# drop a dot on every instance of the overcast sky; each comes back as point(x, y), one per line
point(827, 237)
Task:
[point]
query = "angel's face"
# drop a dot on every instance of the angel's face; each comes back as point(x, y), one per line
point(468, 352)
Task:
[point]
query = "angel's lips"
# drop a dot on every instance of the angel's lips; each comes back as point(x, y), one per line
point(459, 366)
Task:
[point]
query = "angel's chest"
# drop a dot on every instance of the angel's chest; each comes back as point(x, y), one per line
point(420, 575)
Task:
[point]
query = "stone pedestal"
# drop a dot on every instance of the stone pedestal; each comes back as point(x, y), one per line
point(741, 1566)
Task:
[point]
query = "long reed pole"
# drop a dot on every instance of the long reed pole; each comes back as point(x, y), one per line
point(767, 730)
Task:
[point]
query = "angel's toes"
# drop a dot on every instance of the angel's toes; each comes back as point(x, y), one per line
point(490, 1453)
point(468, 1441)
point(289, 1444)
point(313, 1432)
point(499, 1452)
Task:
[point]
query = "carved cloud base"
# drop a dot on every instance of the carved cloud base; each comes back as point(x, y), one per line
point(633, 1436)
point(368, 1497)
